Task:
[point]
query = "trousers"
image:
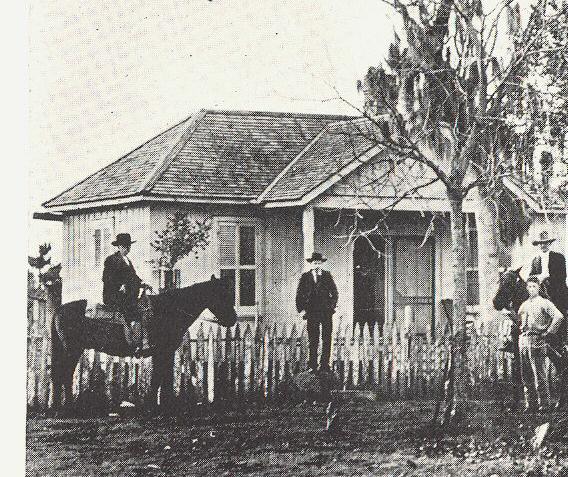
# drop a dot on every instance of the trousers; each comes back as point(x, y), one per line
point(533, 371)
point(314, 323)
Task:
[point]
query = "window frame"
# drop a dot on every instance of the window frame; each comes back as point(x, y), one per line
point(100, 225)
point(469, 220)
point(95, 269)
point(243, 311)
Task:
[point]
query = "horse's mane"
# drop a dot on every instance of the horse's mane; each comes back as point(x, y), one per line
point(187, 300)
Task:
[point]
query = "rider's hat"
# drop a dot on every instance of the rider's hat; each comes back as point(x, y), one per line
point(316, 256)
point(123, 239)
point(543, 237)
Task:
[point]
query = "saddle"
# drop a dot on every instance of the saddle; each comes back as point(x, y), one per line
point(135, 335)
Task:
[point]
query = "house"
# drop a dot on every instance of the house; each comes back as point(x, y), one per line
point(277, 186)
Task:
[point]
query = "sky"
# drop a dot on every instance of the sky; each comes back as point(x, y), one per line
point(105, 76)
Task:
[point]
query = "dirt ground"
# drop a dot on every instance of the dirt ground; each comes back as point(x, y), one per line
point(375, 438)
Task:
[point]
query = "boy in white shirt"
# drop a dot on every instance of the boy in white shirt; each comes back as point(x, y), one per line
point(538, 318)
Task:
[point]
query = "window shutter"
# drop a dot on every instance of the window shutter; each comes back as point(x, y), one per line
point(106, 242)
point(227, 243)
point(98, 249)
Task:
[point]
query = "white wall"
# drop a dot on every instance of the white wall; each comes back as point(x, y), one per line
point(81, 278)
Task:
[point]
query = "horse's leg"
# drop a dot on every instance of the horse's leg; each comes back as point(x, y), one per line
point(155, 382)
point(167, 392)
point(560, 362)
point(68, 394)
point(55, 397)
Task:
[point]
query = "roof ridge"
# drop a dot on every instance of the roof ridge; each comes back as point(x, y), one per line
point(347, 166)
point(44, 204)
point(281, 174)
point(292, 115)
point(162, 165)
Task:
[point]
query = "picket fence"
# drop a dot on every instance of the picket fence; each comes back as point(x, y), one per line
point(248, 362)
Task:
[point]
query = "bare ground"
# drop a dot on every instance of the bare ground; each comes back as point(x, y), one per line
point(375, 438)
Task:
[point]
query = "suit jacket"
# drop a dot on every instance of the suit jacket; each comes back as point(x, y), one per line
point(316, 298)
point(117, 273)
point(555, 286)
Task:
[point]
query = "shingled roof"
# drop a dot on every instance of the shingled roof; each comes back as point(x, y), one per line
point(212, 154)
point(339, 145)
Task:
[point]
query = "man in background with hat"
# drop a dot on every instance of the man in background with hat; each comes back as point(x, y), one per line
point(121, 286)
point(316, 299)
point(550, 268)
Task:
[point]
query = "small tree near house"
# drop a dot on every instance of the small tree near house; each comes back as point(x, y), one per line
point(181, 237)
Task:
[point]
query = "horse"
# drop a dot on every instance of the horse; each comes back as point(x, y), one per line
point(511, 294)
point(173, 312)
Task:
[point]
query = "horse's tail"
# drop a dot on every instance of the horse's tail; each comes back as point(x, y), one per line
point(65, 328)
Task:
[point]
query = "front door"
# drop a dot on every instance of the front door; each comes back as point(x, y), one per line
point(413, 280)
point(369, 281)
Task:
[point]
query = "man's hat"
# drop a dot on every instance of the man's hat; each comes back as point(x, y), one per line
point(123, 239)
point(543, 238)
point(316, 256)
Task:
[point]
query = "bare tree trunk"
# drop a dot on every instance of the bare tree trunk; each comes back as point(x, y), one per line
point(456, 392)
point(488, 262)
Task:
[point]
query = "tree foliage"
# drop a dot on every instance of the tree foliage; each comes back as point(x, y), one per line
point(41, 261)
point(468, 72)
point(181, 237)
point(449, 96)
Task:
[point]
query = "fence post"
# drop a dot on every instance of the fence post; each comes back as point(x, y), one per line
point(199, 362)
point(265, 362)
point(395, 371)
point(375, 356)
point(230, 356)
point(282, 353)
point(237, 343)
point(258, 359)
point(365, 354)
point(303, 346)
point(248, 361)
point(337, 355)
point(294, 349)
point(210, 366)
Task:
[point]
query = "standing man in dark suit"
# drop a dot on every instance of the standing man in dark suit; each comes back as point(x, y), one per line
point(316, 299)
point(122, 286)
point(550, 268)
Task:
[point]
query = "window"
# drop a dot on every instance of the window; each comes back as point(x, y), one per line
point(472, 264)
point(98, 245)
point(238, 260)
point(101, 238)
point(167, 279)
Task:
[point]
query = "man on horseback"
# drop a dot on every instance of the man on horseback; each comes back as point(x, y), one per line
point(122, 287)
point(550, 268)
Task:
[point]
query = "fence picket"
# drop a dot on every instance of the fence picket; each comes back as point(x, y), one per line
point(248, 362)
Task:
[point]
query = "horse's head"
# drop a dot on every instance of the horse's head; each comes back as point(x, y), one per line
point(222, 303)
point(509, 284)
point(51, 278)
